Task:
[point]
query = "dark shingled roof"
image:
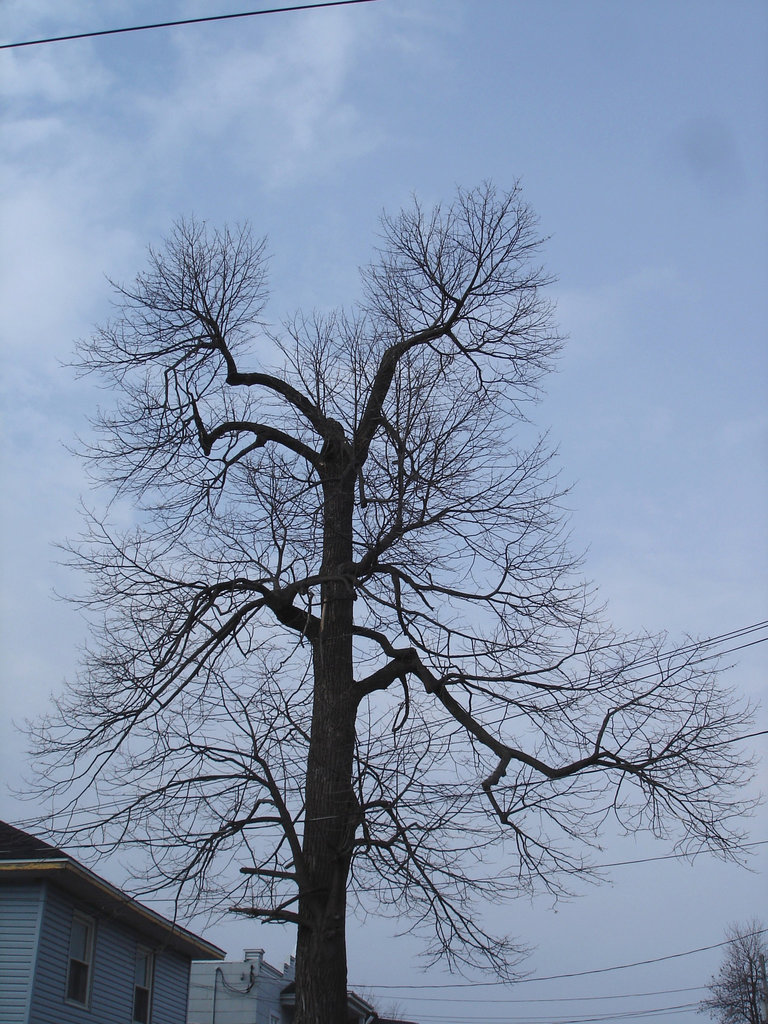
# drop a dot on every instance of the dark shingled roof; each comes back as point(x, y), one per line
point(18, 845)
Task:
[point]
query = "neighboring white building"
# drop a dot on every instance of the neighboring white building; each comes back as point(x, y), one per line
point(251, 991)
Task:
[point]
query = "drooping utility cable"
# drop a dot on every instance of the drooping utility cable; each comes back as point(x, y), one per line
point(511, 1000)
point(572, 974)
point(603, 1018)
point(183, 21)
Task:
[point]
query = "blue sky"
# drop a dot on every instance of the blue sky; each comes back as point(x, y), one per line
point(640, 134)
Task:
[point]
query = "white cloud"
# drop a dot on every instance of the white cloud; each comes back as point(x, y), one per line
point(282, 110)
point(54, 76)
point(598, 317)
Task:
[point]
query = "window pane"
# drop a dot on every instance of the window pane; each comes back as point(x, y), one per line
point(141, 1005)
point(77, 987)
point(78, 941)
point(141, 975)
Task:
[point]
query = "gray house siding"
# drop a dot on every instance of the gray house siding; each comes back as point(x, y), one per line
point(21, 910)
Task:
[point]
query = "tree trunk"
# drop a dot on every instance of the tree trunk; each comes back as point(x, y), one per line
point(331, 807)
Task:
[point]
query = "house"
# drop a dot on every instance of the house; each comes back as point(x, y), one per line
point(252, 991)
point(74, 949)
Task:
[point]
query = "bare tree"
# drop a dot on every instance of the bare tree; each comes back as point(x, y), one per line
point(345, 648)
point(737, 993)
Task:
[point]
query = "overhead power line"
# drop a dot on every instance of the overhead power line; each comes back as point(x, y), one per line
point(182, 21)
point(716, 652)
point(670, 856)
point(602, 1018)
point(509, 1000)
point(737, 739)
point(572, 974)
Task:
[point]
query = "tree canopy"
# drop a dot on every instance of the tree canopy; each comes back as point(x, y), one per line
point(344, 657)
point(738, 993)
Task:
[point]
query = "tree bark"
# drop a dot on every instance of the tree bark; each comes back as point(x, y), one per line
point(331, 807)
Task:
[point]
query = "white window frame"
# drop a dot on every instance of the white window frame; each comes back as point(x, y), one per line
point(144, 953)
point(90, 925)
